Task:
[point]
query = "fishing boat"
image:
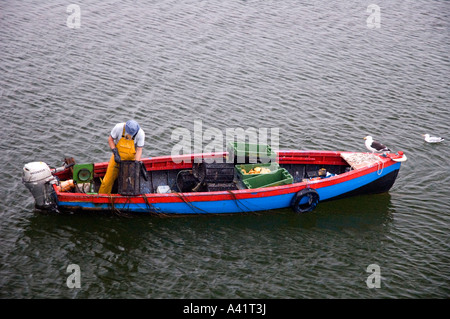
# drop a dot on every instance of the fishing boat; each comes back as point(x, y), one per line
point(182, 184)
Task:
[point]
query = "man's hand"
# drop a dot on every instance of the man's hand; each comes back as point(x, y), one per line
point(116, 155)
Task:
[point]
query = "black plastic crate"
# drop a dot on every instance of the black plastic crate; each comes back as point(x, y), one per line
point(214, 172)
point(132, 179)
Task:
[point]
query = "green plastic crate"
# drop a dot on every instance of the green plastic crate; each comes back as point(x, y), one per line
point(277, 178)
point(247, 152)
point(247, 167)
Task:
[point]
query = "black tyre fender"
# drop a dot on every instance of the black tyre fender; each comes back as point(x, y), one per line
point(313, 200)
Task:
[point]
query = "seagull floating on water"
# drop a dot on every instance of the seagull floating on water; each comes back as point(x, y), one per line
point(375, 146)
point(432, 139)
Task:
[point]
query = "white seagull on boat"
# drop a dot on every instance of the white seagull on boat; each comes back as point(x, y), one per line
point(375, 146)
point(432, 139)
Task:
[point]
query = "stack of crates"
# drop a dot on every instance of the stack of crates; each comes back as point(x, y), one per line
point(266, 159)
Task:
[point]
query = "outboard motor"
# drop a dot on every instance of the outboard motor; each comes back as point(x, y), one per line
point(39, 180)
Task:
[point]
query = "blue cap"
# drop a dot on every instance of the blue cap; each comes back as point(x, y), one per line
point(131, 127)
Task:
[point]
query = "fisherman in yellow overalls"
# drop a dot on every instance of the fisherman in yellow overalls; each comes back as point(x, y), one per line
point(126, 142)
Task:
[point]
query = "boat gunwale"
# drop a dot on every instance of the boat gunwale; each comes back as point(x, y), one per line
point(231, 194)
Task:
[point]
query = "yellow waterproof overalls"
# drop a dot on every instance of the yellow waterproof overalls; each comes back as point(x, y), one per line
point(127, 152)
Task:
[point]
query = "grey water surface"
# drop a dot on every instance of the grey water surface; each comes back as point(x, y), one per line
point(316, 70)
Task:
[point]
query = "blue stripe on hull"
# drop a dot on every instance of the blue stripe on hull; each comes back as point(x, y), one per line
point(238, 206)
point(207, 207)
